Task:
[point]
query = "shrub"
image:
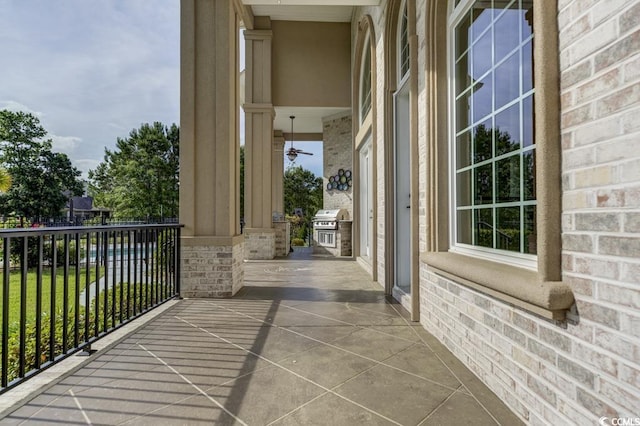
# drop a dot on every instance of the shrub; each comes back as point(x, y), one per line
point(297, 242)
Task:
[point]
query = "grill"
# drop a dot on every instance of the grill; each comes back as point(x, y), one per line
point(328, 219)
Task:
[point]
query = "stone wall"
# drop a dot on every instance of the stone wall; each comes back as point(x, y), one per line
point(337, 154)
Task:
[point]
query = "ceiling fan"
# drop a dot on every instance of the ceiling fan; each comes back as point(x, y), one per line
point(292, 153)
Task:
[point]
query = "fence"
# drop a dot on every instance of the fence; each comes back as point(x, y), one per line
point(65, 287)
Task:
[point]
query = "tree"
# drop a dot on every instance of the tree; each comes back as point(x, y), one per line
point(302, 189)
point(40, 180)
point(5, 180)
point(139, 179)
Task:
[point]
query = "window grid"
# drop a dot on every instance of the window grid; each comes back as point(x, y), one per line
point(404, 43)
point(365, 82)
point(478, 209)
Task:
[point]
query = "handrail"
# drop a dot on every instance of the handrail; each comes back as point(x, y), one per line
point(65, 287)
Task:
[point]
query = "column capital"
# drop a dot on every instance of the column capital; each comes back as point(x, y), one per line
point(258, 108)
point(258, 34)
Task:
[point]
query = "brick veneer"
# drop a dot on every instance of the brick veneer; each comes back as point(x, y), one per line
point(575, 371)
point(211, 271)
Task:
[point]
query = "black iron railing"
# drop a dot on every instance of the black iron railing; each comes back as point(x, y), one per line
point(64, 288)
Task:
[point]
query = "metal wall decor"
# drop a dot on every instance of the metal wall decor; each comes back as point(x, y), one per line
point(341, 181)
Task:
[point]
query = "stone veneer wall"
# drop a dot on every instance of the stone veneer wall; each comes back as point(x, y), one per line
point(588, 367)
point(337, 154)
point(211, 271)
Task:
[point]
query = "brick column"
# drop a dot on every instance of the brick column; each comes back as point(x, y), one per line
point(212, 247)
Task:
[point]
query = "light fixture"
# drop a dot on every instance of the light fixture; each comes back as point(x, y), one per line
point(292, 153)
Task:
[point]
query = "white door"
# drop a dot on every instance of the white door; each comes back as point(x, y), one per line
point(366, 201)
point(402, 241)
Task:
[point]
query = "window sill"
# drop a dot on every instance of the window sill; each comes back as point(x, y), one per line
point(516, 286)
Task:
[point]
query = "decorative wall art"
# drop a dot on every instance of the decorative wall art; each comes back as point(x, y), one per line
point(341, 181)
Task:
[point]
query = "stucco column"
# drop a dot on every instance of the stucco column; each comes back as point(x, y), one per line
point(259, 113)
point(277, 173)
point(212, 247)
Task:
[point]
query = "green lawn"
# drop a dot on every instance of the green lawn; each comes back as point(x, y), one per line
point(15, 287)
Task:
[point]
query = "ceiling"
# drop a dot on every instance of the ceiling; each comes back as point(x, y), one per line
point(308, 119)
point(307, 10)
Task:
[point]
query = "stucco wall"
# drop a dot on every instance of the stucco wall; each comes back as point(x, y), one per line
point(311, 64)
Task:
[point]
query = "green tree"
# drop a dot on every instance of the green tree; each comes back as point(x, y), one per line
point(139, 179)
point(303, 190)
point(5, 180)
point(40, 180)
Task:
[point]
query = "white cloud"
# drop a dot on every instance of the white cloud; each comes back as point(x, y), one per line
point(93, 70)
point(17, 107)
point(66, 144)
point(85, 165)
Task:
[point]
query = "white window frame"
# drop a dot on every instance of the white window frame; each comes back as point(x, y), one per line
point(523, 260)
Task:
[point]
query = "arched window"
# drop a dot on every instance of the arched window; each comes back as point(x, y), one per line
point(403, 42)
point(492, 139)
point(365, 81)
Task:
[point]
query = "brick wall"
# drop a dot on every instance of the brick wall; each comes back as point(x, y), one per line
point(572, 372)
point(600, 98)
point(211, 271)
point(337, 151)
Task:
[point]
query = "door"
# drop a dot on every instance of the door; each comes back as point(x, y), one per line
point(402, 216)
point(366, 201)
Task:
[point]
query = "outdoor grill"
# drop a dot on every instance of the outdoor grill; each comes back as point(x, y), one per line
point(328, 219)
point(332, 232)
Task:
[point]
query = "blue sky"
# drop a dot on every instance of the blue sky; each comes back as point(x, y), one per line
point(94, 70)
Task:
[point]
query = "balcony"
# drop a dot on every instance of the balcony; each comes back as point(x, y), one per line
point(307, 341)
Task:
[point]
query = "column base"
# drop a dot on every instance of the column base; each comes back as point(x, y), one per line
point(260, 243)
point(211, 267)
point(283, 238)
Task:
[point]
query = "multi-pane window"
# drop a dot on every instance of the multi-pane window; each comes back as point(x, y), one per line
point(403, 41)
point(365, 81)
point(493, 125)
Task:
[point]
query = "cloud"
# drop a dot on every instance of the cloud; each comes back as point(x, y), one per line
point(16, 106)
point(84, 165)
point(91, 71)
point(66, 144)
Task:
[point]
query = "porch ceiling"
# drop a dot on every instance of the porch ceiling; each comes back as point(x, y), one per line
point(307, 10)
point(308, 122)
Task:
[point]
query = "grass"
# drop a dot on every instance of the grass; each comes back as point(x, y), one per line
point(15, 287)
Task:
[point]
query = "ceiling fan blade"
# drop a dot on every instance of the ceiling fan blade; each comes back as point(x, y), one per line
point(306, 153)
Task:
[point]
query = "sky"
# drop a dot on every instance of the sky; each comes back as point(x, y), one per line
point(92, 71)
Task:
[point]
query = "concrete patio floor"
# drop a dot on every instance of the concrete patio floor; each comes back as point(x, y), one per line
point(308, 341)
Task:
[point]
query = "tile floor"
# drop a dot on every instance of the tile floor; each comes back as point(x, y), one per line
point(308, 341)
